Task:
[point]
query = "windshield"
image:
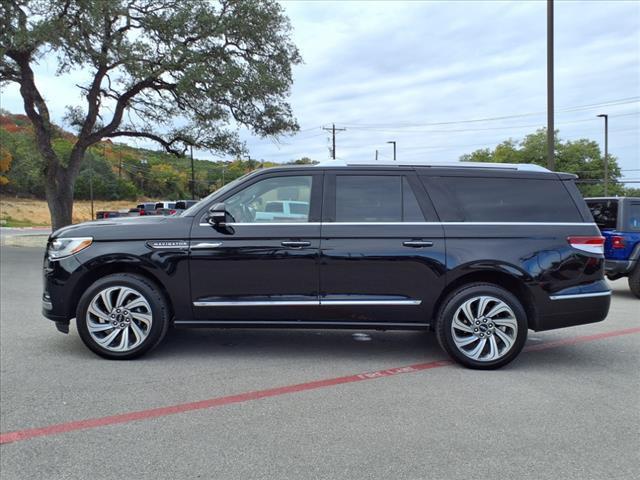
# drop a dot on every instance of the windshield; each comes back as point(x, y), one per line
point(195, 207)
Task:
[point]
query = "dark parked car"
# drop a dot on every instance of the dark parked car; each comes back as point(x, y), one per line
point(619, 221)
point(479, 253)
point(148, 208)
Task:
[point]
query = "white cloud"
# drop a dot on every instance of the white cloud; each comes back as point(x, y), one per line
point(413, 63)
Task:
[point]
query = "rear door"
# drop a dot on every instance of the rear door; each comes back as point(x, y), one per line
point(382, 248)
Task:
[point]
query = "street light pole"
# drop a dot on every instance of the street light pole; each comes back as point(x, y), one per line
point(394, 149)
point(606, 152)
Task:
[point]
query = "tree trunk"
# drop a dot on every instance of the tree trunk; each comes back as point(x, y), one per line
point(59, 193)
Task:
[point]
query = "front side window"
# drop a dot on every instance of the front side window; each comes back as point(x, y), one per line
point(267, 201)
point(375, 198)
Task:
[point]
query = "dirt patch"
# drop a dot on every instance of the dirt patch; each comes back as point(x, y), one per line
point(24, 212)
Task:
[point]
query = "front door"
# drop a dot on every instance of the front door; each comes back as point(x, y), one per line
point(264, 264)
point(382, 248)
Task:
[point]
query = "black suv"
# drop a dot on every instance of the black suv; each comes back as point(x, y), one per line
point(480, 253)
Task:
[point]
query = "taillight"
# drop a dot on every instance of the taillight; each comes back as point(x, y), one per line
point(172, 212)
point(593, 244)
point(617, 241)
point(142, 212)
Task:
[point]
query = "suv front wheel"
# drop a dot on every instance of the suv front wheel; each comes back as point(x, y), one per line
point(122, 316)
point(482, 326)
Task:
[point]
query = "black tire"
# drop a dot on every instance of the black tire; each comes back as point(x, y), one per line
point(634, 280)
point(145, 288)
point(466, 293)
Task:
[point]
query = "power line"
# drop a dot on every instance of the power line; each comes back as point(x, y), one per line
point(621, 101)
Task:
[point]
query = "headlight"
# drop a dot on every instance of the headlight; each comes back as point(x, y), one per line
point(65, 247)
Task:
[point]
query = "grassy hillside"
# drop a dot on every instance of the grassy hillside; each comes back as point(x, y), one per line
point(118, 171)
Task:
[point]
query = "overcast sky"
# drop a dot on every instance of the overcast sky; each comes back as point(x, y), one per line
point(410, 71)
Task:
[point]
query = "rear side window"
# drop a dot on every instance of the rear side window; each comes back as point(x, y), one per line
point(482, 199)
point(634, 216)
point(374, 198)
point(605, 213)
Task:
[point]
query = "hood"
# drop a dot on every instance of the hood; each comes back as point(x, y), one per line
point(129, 228)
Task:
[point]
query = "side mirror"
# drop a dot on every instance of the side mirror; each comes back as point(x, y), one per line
point(218, 215)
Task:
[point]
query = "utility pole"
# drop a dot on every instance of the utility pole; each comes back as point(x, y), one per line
point(394, 149)
point(376, 154)
point(193, 176)
point(606, 152)
point(551, 161)
point(91, 185)
point(120, 165)
point(333, 131)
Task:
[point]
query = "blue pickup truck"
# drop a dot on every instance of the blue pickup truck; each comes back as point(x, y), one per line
point(619, 221)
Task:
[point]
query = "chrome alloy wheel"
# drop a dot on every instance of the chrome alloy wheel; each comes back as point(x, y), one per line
point(119, 318)
point(484, 328)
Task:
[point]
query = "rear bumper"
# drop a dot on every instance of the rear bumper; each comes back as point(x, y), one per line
point(575, 309)
point(618, 268)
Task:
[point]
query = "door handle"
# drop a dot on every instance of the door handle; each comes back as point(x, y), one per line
point(295, 244)
point(205, 245)
point(417, 244)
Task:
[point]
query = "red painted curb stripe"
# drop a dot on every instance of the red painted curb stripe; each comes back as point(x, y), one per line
point(271, 392)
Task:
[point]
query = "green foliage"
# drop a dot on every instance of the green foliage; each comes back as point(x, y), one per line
point(581, 157)
point(119, 172)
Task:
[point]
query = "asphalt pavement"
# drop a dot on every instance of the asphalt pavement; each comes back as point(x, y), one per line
point(567, 408)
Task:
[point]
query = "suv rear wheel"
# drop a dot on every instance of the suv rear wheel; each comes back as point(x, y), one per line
point(482, 326)
point(634, 280)
point(122, 316)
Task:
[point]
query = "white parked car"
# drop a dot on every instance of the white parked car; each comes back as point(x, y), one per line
point(284, 209)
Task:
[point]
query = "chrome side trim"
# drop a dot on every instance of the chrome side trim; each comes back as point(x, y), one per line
point(280, 303)
point(204, 245)
point(580, 295)
point(370, 302)
point(294, 323)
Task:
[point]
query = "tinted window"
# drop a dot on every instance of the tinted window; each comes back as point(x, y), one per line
point(634, 216)
point(262, 201)
point(605, 213)
point(410, 208)
point(372, 198)
point(482, 199)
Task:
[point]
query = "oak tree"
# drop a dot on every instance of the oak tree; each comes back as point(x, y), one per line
point(177, 72)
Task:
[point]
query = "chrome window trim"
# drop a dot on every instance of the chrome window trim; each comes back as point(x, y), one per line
point(298, 224)
point(580, 295)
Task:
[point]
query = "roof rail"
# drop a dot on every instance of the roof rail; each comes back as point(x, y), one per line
point(530, 167)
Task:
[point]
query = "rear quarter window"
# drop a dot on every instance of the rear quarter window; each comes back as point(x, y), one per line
point(483, 199)
point(633, 222)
